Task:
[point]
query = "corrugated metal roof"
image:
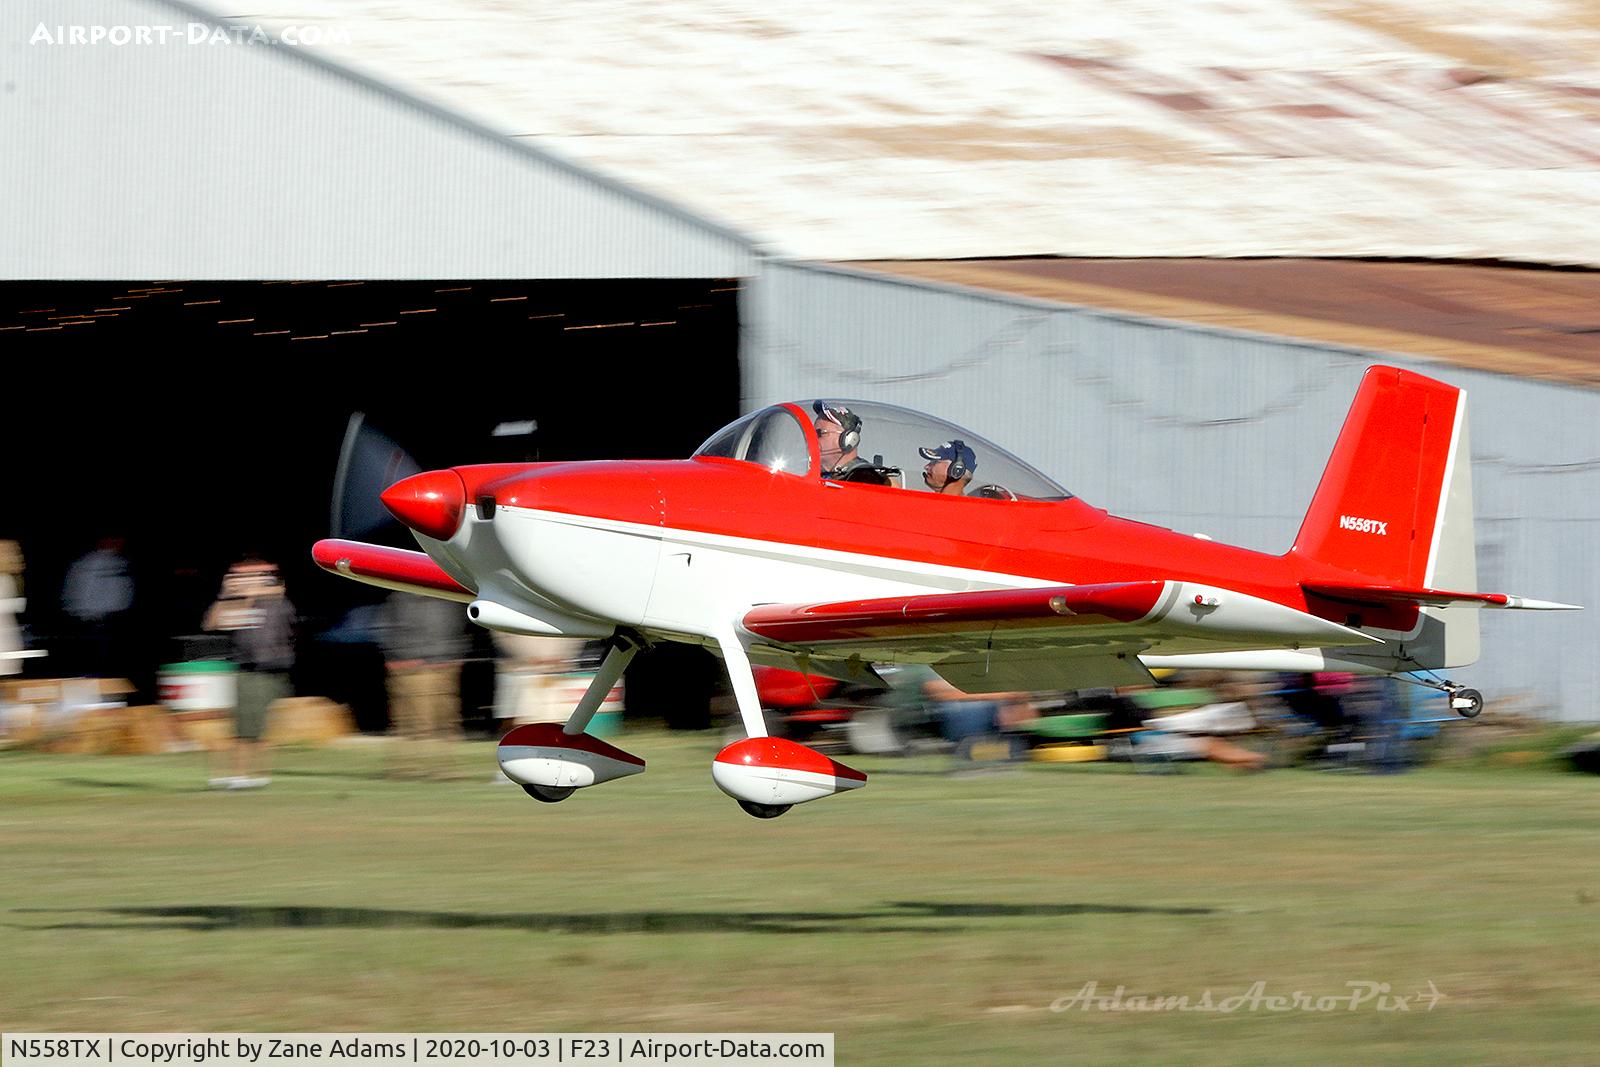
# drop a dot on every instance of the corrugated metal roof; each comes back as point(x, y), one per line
point(917, 129)
point(1532, 323)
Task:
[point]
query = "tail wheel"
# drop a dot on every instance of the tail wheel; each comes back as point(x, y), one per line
point(1466, 703)
point(764, 811)
point(549, 794)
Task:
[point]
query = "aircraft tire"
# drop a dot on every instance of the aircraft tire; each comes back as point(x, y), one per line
point(1473, 703)
point(547, 794)
point(764, 811)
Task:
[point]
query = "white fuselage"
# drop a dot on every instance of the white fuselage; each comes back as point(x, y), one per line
point(559, 573)
point(581, 572)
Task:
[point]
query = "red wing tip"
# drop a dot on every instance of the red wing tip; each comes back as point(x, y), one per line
point(378, 565)
point(337, 556)
point(327, 552)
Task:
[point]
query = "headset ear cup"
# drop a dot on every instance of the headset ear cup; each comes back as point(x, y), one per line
point(849, 440)
point(957, 470)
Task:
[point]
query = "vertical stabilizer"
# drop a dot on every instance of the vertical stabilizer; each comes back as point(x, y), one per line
point(1394, 508)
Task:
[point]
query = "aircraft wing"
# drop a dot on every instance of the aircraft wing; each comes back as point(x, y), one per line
point(389, 568)
point(1045, 637)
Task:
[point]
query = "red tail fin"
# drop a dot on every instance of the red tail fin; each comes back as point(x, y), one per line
point(1380, 508)
point(1394, 510)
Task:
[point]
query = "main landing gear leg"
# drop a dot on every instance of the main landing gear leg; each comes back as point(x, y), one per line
point(623, 648)
point(743, 679)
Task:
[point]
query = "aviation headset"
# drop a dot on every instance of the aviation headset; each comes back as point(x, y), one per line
point(957, 470)
point(849, 424)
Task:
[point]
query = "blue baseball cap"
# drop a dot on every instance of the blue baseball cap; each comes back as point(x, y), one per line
point(955, 451)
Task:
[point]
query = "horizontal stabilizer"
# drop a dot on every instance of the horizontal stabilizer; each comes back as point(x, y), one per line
point(389, 568)
point(1420, 597)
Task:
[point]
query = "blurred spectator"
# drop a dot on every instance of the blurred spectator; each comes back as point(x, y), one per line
point(528, 678)
point(1374, 707)
point(1207, 729)
point(1208, 732)
point(1328, 691)
point(1359, 718)
point(964, 715)
point(11, 606)
point(254, 611)
point(97, 596)
point(424, 642)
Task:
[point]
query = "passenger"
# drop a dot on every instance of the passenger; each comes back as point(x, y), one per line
point(950, 467)
point(838, 439)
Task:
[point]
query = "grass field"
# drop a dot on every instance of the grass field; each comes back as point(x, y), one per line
point(926, 919)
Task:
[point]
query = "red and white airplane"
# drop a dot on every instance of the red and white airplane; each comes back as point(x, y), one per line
point(755, 550)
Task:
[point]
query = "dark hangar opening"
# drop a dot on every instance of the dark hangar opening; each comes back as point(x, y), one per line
point(201, 419)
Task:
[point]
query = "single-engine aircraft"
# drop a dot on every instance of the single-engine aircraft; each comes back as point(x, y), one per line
point(778, 542)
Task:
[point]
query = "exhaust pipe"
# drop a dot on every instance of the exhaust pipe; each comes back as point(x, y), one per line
point(493, 616)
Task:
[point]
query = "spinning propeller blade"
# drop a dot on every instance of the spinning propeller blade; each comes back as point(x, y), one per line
point(369, 462)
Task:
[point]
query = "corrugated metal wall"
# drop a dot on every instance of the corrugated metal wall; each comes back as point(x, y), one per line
point(246, 161)
point(1206, 431)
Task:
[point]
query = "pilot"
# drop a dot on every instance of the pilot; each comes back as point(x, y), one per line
point(950, 467)
point(838, 437)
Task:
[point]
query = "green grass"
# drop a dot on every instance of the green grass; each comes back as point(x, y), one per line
point(925, 919)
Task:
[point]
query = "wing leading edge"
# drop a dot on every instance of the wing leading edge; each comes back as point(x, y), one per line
point(389, 568)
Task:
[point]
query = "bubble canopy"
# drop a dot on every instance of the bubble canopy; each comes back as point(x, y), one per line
point(891, 447)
